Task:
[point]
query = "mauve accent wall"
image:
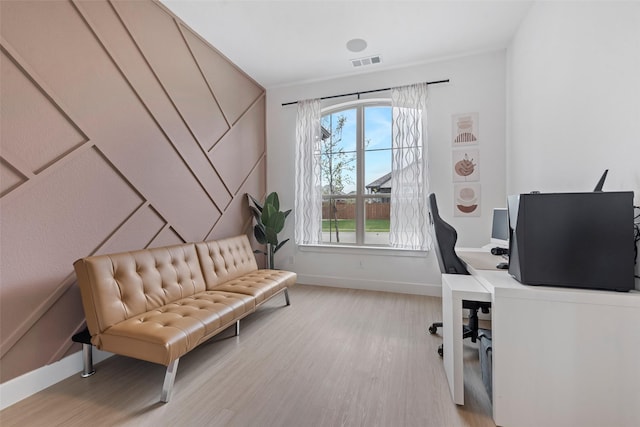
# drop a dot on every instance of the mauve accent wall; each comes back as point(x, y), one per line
point(120, 129)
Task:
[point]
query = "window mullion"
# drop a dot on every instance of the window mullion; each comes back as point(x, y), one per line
point(360, 177)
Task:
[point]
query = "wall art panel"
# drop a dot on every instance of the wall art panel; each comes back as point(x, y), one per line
point(238, 215)
point(39, 132)
point(234, 91)
point(467, 199)
point(10, 178)
point(136, 233)
point(237, 153)
point(466, 165)
point(164, 48)
point(166, 237)
point(54, 328)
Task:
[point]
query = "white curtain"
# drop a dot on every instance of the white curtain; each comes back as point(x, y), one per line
point(409, 228)
point(308, 200)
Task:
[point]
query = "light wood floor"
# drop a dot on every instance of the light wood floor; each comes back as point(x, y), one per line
point(335, 357)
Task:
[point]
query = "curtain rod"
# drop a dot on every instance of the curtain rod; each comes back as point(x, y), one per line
point(363, 92)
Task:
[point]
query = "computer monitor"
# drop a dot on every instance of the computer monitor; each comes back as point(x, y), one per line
point(500, 228)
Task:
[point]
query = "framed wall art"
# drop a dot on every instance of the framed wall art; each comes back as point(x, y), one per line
point(465, 129)
point(466, 165)
point(466, 199)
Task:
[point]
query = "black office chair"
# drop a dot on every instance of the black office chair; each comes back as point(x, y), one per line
point(445, 242)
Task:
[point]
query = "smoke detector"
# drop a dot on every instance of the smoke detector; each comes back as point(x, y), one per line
point(369, 60)
point(356, 45)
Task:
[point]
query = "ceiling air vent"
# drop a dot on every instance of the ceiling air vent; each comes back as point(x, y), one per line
point(369, 60)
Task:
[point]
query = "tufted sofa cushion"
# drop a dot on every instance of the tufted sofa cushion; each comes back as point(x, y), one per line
point(260, 284)
point(229, 265)
point(166, 333)
point(225, 259)
point(128, 284)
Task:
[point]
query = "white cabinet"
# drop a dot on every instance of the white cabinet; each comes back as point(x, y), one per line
point(563, 356)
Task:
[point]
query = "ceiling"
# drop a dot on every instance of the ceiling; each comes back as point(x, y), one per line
point(285, 42)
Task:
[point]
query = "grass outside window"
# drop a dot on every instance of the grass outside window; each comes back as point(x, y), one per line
point(372, 225)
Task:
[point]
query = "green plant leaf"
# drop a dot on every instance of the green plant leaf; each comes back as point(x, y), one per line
point(260, 233)
point(273, 219)
point(268, 214)
point(272, 199)
point(255, 202)
point(277, 222)
point(271, 236)
point(286, 214)
point(280, 245)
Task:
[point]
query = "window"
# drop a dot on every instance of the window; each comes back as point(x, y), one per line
point(355, 163)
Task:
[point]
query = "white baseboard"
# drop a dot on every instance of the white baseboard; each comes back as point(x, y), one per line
point(32, 382)
point(372, 285)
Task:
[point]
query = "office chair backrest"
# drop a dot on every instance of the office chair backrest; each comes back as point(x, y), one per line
point(445, 241)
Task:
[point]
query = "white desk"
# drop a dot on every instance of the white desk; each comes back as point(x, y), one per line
point(561, 356)
point(455, 288)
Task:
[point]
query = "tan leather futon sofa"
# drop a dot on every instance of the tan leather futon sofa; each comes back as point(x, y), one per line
point(158, 304)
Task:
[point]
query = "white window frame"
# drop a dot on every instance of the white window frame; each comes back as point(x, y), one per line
point(360, 196)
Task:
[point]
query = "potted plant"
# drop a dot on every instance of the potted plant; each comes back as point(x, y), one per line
point(269, 222)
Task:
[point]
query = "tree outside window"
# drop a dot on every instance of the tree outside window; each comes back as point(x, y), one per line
point(355, 174)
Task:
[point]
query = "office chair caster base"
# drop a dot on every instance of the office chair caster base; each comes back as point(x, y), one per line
point(441, 351)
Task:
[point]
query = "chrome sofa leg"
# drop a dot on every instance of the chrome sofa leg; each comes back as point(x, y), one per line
point(169, 378)
point(237, 327)
point(84, 337)
point(286, 296)
point(87, 361)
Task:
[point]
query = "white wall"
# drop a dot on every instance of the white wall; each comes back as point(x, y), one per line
point(574, 98)
point(477, 84)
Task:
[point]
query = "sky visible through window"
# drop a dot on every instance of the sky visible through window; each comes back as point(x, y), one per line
point(377, 136)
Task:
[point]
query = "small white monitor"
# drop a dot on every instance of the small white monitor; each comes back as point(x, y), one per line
point(500, 228)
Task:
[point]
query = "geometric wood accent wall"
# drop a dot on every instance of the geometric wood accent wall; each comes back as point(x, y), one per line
point(120, 129)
